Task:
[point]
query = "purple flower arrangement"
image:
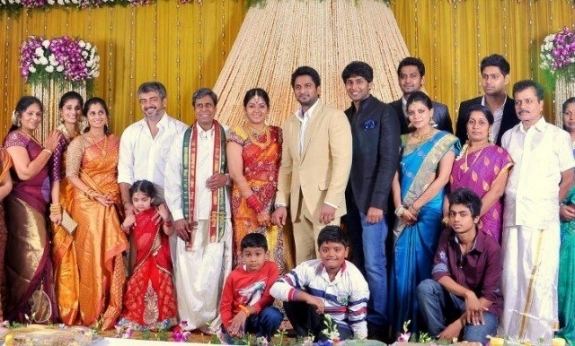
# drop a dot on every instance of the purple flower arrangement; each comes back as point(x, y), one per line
point(558, 53)
point(61, 59)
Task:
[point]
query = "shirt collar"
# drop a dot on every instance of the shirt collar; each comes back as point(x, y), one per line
point(478, 242)
point(500, 109)
point(163, 123)
point(308, 114)
point(540, 125)
point(362, 104)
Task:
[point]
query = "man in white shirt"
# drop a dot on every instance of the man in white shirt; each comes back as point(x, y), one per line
point(197, 195)
point(540, 179)
point(145, 144)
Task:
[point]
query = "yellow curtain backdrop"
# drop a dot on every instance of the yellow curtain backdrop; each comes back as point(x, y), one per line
point(185, 46)
point(452, 36)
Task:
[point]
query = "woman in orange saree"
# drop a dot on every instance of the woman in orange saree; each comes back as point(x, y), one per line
point(63, 249)
point(5, 187)
point(254, 155)
point(91, 167)
point(30, 290)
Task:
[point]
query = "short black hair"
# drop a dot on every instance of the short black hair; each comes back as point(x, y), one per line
point(467, 198)
point(256, 92)
point(483, 109)
point(526, 84)
point(201, 92)
point(421, 97)
point(357, 68)
point(153, 86)
point(144, 186)
point(254, 240)
point(412, 61)
point(332, 234)
point(306, 71)
point(497, 61)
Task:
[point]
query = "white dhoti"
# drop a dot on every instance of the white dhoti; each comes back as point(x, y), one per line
point(199, 277)
point(530, 267)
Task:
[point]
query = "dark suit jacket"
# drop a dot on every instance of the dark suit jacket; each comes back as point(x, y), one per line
point(440, 116)
point(376, 144)
point(509, 118)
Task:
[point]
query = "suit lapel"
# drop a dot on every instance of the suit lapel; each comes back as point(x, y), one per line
point(311, 128)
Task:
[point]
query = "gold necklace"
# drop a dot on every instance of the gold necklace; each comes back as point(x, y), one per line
point(421, 138)
point(95, 142)
point(29, 136)
point(256, 135)
point(465, 167)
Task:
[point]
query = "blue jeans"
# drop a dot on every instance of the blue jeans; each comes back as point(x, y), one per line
point(374, 243)
point(439, 308)
point(266, 323)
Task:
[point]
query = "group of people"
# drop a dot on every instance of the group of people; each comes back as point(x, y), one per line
point(476, 239)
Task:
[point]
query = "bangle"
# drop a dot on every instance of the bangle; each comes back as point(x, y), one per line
point(399, 211)
point(55, 209)
point(48, 151)
point(245, 309)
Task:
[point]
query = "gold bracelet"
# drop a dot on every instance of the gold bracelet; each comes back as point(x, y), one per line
point(55, 208)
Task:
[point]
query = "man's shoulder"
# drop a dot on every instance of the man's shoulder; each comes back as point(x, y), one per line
point(178, 124)
point(470, 102)
point(438, 106)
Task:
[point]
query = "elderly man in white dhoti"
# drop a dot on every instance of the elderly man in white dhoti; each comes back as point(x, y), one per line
point(540, 179)
point(196, 192)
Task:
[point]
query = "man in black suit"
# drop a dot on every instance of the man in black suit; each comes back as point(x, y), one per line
point(494, 78)
point(375, 134)
point(411, 73)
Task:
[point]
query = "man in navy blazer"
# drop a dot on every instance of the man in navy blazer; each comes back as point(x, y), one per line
point(375, 135)
point(411, 75)
point(494, 78)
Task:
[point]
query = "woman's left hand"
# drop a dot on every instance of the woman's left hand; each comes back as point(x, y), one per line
point(56, 218)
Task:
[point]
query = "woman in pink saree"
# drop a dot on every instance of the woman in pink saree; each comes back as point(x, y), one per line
point(483, 168)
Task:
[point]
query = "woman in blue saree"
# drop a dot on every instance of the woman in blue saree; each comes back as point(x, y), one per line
point(566, 286)
point(418, 191)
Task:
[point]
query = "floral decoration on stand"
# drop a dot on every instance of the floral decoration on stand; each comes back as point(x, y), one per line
point(19, 4)
point(62, 59)
point(558, 54)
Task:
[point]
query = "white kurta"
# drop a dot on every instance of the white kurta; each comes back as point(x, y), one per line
point(531, 231)
point(199, 274)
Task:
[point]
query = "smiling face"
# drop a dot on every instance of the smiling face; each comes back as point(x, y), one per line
point(419, 115)
point(305, 90)
point(152, 105)
point(205, 111)
point(333, 255)
point(569, 117)
point(410, 80)
point(97, 116)
point(71, 111)
point(141, 201)
point(31, 117)
point(257, 110)
point(358, 88)
point(478, 127)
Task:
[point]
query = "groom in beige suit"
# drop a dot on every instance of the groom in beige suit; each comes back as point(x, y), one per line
point(315, 165)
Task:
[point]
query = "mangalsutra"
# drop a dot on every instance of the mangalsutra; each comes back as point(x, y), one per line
point(96, 143)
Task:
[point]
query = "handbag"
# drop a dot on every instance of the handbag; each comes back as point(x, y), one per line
point(68, 223)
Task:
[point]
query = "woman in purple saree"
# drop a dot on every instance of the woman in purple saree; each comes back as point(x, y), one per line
point(30, 294)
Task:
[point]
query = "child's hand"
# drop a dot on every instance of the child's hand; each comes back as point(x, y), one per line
point(237, 325)
point(317, 302)
point(163, 212)
point(128, 222)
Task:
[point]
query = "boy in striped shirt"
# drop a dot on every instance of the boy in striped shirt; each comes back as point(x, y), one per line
point(329, 285)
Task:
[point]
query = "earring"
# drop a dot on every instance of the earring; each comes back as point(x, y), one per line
point(432, 123)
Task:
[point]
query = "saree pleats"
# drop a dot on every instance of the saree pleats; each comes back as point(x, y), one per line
point(28, 265)
point(566, 286)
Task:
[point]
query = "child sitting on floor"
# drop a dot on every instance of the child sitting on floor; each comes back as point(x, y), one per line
point(246, 304)
point(329, 285)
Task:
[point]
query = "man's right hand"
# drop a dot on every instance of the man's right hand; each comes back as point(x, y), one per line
point(182, 229)
point(473, 309)
point(316, 302)
point(279, 216)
